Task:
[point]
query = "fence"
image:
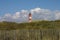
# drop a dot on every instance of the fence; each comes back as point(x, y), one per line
point(24, 34)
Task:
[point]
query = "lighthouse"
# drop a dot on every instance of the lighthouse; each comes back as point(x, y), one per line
point(30, 17)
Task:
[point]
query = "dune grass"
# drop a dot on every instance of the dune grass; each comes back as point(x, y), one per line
point(33, 25)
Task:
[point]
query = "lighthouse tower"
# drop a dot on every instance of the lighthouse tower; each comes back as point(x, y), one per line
point(30, 17)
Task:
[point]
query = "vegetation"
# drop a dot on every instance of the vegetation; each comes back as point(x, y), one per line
point(33, 25)
point(39, 30)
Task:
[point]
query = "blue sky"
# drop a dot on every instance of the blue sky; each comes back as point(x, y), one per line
point(13, 6)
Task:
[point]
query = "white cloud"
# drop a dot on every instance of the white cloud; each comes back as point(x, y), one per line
point(40, 11)
point(0, 19)
point(37, 14)
point(7, 15)
point(57, 15)
point(37, 10)
point(24, 11)
point(43, 14)
point(16, 15)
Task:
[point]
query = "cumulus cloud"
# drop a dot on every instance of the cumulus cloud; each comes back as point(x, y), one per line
point(7, 15)
point(37, 14)
point(57, 14)
point(0, 19)
point(16, 15)
point(24, 13)
point(41, 14)
point(37, 10)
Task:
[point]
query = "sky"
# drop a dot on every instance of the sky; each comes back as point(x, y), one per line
point(17, 10)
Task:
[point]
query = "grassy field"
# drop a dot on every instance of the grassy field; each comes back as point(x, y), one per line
point(33, 25)
point(36, 30)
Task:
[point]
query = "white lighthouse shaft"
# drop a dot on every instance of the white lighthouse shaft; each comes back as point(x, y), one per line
point(30, 19)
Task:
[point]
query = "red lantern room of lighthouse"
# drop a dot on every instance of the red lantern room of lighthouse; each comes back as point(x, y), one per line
point(30, 17)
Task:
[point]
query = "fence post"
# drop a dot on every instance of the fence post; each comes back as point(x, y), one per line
point(58, 35)
point(41, 34)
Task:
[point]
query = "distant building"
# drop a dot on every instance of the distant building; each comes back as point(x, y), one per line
point(30, 17)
